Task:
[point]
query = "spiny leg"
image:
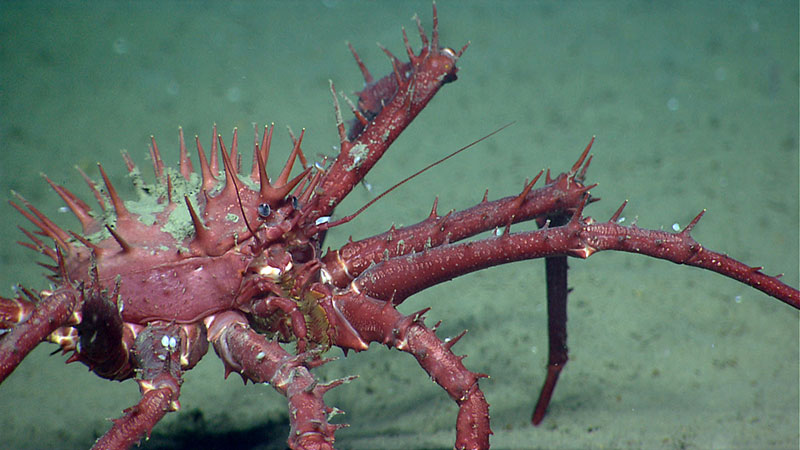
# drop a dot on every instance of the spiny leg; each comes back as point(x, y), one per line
point(260, 360)
point(378, 321)
point(557, 357)
point(390, 105)
point(30, 321)
point(561, 195)
point(556, 269)
point(157, 352)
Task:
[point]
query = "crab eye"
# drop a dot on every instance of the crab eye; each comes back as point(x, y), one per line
point(295, 203)
point(263, 210)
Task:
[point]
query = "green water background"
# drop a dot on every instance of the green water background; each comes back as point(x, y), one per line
point(694, 104)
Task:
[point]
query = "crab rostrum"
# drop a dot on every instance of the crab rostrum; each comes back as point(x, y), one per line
point(235, 260)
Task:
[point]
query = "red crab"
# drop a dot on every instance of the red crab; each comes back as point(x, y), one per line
point(244, 268)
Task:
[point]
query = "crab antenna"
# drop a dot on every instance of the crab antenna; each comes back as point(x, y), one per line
point(346, 219)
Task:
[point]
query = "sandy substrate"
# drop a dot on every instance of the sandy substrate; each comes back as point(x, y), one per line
point(693, 107)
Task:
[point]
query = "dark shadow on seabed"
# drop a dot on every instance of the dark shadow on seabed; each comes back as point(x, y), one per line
point(193, 431)
point(693, 107)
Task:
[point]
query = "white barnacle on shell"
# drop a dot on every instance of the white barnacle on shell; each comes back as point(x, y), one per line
point(358, 153)
point(321, 220)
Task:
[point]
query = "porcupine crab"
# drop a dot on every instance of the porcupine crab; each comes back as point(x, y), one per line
point(268, 274)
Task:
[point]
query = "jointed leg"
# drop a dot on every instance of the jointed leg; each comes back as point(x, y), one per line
point(157, 353)
point(557, 290)
point(31, 321)
point(378, 321)
point(263, 361)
